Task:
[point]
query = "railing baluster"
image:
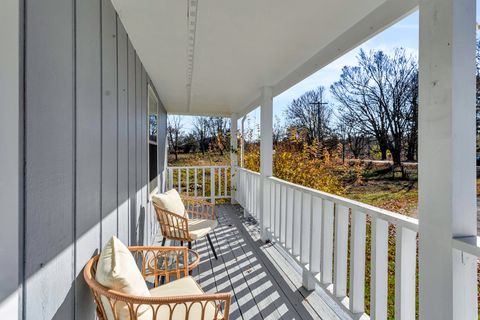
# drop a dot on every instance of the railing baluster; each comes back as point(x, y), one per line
point(315, 235)
point(179, 187)
point(297, 222)
point(265, 196)
point(306, 228)
point(188, 177)
point(341, 251)
point(212, 185)
point(240, 188)
point(195, 182)
point(248, 190)
point(258, 198)
point(219, 182)
point(203, 182)
point(357, 262)
point(170, 178)
point(327, 242)
point(289, 222)
point(277, 210)
point(283, 216)
point(272, 207)
point(255, 196)
point(225, 181)
point(405, 263)
point(379, 276)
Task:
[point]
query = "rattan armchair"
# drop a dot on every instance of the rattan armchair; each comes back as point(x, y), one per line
point(189, 307)
point(200, 221)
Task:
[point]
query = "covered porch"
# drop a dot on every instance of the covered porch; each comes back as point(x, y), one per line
point(80, 77)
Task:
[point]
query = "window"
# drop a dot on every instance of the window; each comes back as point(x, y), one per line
point(152, 141)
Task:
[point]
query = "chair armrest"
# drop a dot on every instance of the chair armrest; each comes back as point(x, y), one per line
point(198, 208)
point(221, 302)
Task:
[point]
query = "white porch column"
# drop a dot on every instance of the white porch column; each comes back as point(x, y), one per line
point(447, 195)
point(242, 141)
point(233, 155)
point(266, 154)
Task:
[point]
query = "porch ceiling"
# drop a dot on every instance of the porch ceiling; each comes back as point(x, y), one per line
point(240, 46)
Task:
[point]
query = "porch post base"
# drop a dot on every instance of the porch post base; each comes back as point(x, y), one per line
point(308, 281)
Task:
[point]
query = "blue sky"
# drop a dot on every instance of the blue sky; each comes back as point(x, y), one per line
point(402, 34)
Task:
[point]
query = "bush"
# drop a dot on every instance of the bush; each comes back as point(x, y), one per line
point(308, 165)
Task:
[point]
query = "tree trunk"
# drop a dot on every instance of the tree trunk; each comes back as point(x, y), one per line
point(396, 157)
point(383, 151)
point(411, 150)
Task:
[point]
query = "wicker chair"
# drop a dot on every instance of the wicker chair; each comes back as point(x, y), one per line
point(163, 306)
point(200, 221)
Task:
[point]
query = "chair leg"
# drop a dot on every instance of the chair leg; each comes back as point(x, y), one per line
point(163, 241)
point(190, 248)
point(211, 246)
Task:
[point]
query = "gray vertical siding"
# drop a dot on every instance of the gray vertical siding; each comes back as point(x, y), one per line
point(140, 218)
point(11, 168)
point(109, 121)
point(85, 149)
point(143, 150)
point(50, 143)
point(132, 143)
point(122, 155)
point(88, 146)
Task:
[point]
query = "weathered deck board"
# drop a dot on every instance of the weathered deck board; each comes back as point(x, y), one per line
point(262, 280)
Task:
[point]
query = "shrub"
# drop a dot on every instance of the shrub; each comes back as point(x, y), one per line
point(309, 165)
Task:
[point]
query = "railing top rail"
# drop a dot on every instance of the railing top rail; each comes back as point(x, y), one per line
point(193, 167)
point(391, 217)
point(469, 245)
point(248, 171)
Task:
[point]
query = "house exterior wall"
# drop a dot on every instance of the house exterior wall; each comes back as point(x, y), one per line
point(11, 165)
point(85, 150)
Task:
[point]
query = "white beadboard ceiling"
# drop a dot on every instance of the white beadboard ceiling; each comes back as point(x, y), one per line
point(213, 56)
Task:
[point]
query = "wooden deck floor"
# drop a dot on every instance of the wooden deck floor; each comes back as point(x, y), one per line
point(264, 283)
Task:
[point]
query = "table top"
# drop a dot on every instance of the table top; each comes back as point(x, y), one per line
point(158, 264)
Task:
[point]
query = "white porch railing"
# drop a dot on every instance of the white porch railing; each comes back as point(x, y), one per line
point(248, 191)
point(327, 235)
point(315, 227)
point(207, 182)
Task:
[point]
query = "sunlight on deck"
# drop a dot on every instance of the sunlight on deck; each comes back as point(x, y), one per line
point(264, 285)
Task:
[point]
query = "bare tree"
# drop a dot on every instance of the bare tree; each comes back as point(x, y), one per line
point(278, 131)
point(200, 130)
point(219, 130)
point(174, 131)
point(352, 136)
point(412, 124)
point(310, 112)
point(376, 95)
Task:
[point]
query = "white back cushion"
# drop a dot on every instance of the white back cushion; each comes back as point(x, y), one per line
point(170, 201)
point(117, 270)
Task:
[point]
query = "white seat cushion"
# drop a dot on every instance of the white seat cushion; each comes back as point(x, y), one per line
point(117, 270)
point(182, 287)
point(170, 201)
point(198, 228)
